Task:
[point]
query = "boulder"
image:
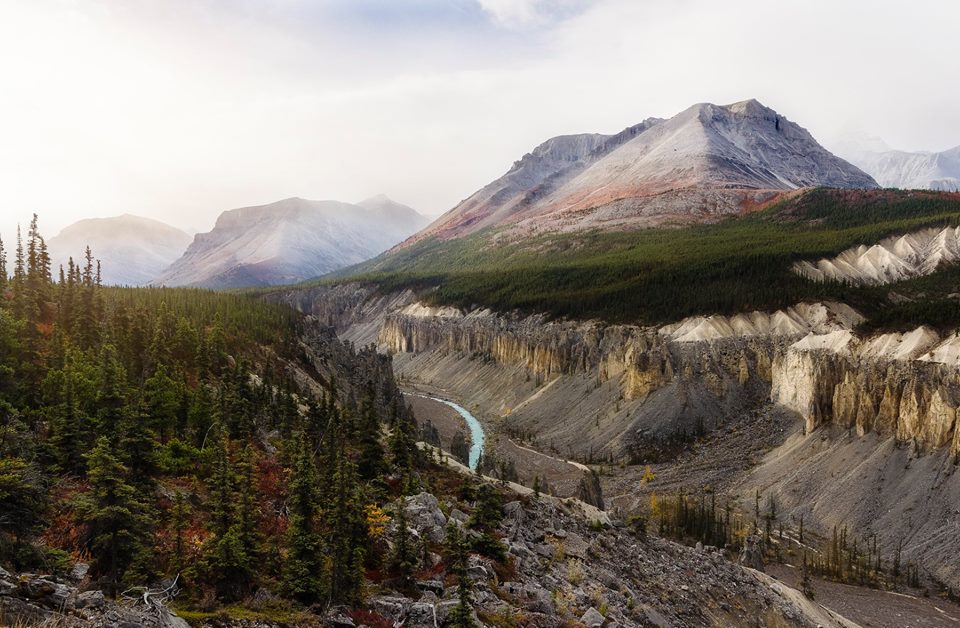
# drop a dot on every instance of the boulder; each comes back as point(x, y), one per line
point(78, 572)
point(393, 608)
point(592, 618)
point(426, 518)
point(752, 553)
point(90, 599)
point(421, 615)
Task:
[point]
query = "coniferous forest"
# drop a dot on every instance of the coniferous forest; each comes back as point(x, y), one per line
point(656, 276)
point(158, 435)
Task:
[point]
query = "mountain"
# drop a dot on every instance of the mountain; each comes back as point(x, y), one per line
point(290, 241)
point(706, 161)
point(903, 169)
point(132, 250)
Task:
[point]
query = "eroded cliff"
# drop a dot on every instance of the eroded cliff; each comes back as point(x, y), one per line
point(893, 385)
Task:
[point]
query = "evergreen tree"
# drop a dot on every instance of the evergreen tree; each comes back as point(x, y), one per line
point(180, 514)
point(138, 444)
point(112, 393)
point(372, 463)
point(19, 279)
point(486, 517)
point(161, 402)
point(248, 510)
point(68, 427)
point(113, 515)
point(346, 522)
point(304, 565)
point(402, 449)
point(23, 503)
point(228, 562)
point(457, 563)
point(806, 584)
point(222, 507)
point(404, 558)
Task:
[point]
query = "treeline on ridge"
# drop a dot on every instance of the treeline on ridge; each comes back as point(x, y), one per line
point(662, 275)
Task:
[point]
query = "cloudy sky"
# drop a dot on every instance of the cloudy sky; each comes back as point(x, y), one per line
point(179, 109)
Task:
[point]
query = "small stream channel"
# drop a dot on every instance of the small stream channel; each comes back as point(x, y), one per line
point(476, 430)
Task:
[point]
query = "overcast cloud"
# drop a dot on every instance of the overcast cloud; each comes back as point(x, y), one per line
point(179, 109)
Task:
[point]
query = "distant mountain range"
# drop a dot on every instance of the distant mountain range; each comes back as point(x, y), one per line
point(290, 241)
point(132, 250)
point(903, 169)
point(703, 163)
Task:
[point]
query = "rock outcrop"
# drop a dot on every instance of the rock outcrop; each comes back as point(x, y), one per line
point(566, 569)
point(590, 390)
point(890, 386)
point(892, 259)
point(47, 600)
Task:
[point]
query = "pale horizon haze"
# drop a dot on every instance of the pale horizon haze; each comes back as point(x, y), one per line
point(179, 110)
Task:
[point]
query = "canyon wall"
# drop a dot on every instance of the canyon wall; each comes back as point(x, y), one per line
point(581, 389)
point(845, 382)
point(655, 381)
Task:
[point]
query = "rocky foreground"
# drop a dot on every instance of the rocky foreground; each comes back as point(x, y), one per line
point(569, 571)
point(567, 565)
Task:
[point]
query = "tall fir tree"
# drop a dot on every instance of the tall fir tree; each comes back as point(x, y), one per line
point(372, 464)
point(114, 516)
point(458, 555)
point(180, 515)
point(303, 569)
point(346, 522)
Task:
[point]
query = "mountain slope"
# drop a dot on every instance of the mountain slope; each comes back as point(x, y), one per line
point(901, 169)
point(132, 250)
point(290, 241)
point(706, 161)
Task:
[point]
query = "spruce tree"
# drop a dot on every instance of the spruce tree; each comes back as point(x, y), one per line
point(457, 563)
point(220, 484)
point(486, 517)
point(228, 562)
point(404, 558)
point(303, 568)
point(138, 446)
point(402, 449)
point(180, 514)
point(19, 282)
point(112, 393)
point(372, 463)
point(346, 522)
point(248, 510)
point(114, 516)
point(68, 428)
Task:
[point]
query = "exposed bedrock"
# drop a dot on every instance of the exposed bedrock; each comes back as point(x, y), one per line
point(584, 387)
point(913, 401)
point(581, 389)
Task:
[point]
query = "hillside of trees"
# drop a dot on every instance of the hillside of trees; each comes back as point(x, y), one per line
point(159, 436)
point(655, 276)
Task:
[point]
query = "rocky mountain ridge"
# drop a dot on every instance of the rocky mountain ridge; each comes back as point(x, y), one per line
point(290, 241)
point(132, 250)
point(703, 163)
point(928, 170)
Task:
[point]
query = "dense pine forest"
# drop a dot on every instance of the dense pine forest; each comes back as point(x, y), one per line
point(160, 436)
point(662, 275)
